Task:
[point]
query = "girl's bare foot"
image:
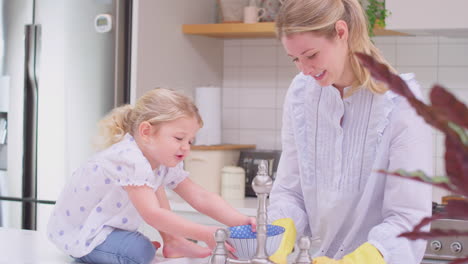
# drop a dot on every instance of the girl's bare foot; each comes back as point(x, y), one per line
point(180, 247)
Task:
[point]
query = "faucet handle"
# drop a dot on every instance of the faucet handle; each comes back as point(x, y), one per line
point(304, 245)
point(262, 182)
point(262, 168)
point(220, 254)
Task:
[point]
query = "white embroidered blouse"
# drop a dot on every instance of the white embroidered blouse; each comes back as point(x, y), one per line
point(327, 178)
point(93, 202)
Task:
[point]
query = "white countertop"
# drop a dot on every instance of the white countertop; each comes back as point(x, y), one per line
point(18, 246)
point(26, 246)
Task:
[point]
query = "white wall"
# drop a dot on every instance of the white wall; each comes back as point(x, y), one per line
point(165, 57)
point(257, 74)
point(451, 15)
point(168, 58)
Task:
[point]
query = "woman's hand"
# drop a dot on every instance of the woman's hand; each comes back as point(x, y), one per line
point(364, 254)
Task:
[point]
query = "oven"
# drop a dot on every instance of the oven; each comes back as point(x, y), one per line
point(434, 261)
point(441, 250)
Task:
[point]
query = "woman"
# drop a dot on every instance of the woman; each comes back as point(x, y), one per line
point(339, 128)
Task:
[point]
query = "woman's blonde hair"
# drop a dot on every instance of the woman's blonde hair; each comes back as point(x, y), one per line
point(156, 107)
point(320, 16)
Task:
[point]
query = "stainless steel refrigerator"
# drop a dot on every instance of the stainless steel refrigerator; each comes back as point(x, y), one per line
point(63, 65)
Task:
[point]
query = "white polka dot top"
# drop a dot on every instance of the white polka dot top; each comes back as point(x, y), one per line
point(93, 202)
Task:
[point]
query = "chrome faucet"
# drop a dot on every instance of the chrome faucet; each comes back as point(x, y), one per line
point(304, 245)
point(261, 184)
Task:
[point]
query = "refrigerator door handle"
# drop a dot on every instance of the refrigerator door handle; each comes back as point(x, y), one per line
point(123, 51)
point(32, 44)
point(37, 53)
point(29, 191)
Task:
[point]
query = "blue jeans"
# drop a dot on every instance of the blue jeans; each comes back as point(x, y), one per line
point(122, 247)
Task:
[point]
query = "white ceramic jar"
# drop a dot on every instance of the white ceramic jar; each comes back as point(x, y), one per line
point(232, 183)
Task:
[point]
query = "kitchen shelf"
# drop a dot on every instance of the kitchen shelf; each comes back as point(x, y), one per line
point(223, 147)
point(257, 30)
point(232, 30)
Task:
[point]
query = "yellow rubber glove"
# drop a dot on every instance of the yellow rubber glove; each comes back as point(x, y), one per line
point(287, 243)
point(365, 254)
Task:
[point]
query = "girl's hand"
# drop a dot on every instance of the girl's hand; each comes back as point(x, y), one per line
point(209, 236)
point(211, 243)
point(253, 222)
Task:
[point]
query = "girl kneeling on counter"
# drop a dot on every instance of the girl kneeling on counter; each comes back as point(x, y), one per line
point(98, 213)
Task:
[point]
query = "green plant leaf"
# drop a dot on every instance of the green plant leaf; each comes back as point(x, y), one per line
point(418, 175)
point(449, 106)
point(460, 131)
point(456, 158)
point(423, 176)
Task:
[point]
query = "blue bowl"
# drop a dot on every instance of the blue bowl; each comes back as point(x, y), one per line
point(244, 240)
point(245, 231)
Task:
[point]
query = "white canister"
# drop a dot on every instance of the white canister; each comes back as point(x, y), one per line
point(232, 183)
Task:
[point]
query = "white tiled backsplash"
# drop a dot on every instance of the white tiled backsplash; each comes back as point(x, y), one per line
point(257, 74)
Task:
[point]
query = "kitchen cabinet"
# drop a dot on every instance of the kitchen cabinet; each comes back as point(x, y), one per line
point(428, 17)
point(257, 30)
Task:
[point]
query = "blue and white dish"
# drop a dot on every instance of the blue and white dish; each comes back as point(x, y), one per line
point(244, 240)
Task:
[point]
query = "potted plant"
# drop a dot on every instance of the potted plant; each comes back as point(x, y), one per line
point(376, 14)
point(449, 115)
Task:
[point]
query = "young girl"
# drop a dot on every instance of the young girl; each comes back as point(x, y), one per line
point(96, 217)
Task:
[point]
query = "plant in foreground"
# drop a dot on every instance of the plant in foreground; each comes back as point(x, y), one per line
point(449, 115)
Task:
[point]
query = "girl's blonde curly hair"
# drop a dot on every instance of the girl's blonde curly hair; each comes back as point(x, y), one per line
point(156, 107)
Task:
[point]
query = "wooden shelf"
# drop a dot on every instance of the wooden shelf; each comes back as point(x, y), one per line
point(257, 30)
point(379, 31)
point(232, 30)
point(223, 147)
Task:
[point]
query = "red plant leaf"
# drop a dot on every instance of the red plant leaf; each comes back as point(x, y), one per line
point(449, 106)
point(456, 165)
point(457, 209)
point(443, 114)
point(381, 73)
point(430, 114)
point(460, 261)
point(414, 235)
point(426, 220)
